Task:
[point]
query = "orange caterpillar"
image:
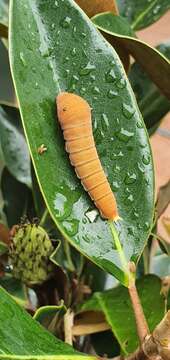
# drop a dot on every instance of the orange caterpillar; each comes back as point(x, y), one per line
point(74, 115)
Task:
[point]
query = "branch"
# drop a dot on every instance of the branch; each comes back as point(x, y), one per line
point(141, 323)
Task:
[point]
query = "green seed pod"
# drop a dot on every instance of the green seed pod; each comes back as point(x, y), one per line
point(29, 253)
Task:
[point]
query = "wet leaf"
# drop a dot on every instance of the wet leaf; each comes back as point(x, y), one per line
point(143, 13)
point(86, 65)
point(152, 61)
point(95, 7)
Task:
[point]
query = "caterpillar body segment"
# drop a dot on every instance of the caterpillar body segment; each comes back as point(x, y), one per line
point(74, 115)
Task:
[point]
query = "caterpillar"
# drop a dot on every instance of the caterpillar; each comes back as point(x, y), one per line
point(74, 115)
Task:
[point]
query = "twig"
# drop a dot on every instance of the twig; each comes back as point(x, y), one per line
point(141, 323)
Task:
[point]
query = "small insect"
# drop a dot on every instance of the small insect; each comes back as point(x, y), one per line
point(42, 149)
point(74, 115)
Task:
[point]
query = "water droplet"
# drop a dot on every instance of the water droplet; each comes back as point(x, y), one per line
point(110, 76)
point(82, 90)
point(85, 221)
point(61, 206)
point(71, 227)
point(66, 22)
point(156, 9)
point(147, 181)
point(124, 135)
point(117, 169)
point(86, 238)
point(146, 159)
point(76, 78)
point(83, 34)
point(141, 168)
point(36, 85)
point(121, 83)
point(92, 77)
point(131, 230)
point(105, 121)
point(143, 145)
point(129, 199)
point(92, 215)
point(44, 50)
point(146, 225)
point(139, 124)
point(66, 73)
point(115, 186)
point(66, 59)
point(21, 55)
point(74, 29)
point(130, 178)
point(56, 3)
point(53, 26)
point(112, 94)
point(128, 111)
point(96, 90)
point(73, 52)
point(136, 215)
point(86, 70)
point(117, 154)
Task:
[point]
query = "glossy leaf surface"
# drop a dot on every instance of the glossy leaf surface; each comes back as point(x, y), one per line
point(87, 65)
point(32, 341)
point(152, 61)
point(142, 13)
point(116, 305)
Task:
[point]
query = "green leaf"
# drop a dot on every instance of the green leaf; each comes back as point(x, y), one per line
point(15, 196)
point(142, 13)
point(116, 305)
point(152, 61)
point(4, 18)
point(48, 316)
point(15, 288)
point(31, 341)
point(152, 104)
point(42, 67)
point(14, 147)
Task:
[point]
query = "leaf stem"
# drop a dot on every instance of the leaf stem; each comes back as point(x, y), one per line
point(44, 217)
point(141, 323)
point(129, 276)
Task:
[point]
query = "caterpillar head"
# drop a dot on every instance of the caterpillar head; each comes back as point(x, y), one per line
point(72, 109)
